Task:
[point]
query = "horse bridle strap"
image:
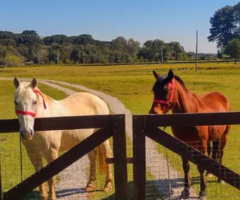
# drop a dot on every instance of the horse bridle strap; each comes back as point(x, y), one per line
point(22, 112)
point(25, 113)
point(167, 102)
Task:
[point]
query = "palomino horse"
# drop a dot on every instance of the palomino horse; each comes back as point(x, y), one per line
point(30, 102)
point(170, 92)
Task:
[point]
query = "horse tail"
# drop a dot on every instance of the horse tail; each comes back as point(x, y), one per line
point(101, 159)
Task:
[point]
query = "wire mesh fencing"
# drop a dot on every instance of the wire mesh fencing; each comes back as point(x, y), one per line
point(165, 175)
point(16, 166)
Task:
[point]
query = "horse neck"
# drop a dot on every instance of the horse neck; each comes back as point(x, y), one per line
point(185, 101)
point(41, 111)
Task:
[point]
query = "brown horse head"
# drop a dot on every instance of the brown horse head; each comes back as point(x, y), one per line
point(163, 91)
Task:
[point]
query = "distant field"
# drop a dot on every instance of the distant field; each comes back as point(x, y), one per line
point(132, 85)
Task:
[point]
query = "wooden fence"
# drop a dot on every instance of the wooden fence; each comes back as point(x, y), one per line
point(108, 125)
point(114, 125)
point(147, 126)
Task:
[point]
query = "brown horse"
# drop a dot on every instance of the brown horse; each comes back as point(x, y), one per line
point(170, 93)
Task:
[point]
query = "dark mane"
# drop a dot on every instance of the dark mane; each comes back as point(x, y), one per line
point(179, 80)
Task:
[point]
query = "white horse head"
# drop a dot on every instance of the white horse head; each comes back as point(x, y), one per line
point(26, 101)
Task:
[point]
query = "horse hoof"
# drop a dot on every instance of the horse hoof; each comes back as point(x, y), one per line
point(221, 181)
point(107, 186)
point(203, 195)
point(89, 187)
point(185, 194)
point(209, 175)
point(44, 198)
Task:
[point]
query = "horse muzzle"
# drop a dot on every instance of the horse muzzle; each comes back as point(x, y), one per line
point(152, 112)
point(27, 134)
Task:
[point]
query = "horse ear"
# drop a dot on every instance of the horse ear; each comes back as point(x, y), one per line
point(155, 74)
point(170, 74)
point(16, 82)
point(34, 83)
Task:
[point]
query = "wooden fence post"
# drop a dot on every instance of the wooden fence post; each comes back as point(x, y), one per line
point(139, 158)
point(120, 157)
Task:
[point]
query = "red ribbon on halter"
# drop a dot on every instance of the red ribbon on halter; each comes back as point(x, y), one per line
point(22, 112)
point(169, 102)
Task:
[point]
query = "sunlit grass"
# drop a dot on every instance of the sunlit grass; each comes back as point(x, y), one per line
point(132, 85)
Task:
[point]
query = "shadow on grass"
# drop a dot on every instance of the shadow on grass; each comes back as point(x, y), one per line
point(154, 189)
point(34, 195)
point(153, 195)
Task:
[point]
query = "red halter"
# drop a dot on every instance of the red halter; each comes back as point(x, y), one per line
point(22, 112)
point(169, 102)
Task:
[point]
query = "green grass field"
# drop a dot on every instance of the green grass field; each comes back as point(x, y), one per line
point(132, 85)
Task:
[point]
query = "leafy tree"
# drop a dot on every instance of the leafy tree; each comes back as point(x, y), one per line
point(223, 25)
point(119, 44)
point(83, 39)
point(75, 55)
point(133, 47)
point(58, 39)
point(3, 52)
point(233, 49)
point(29, 38)
point(40, 56)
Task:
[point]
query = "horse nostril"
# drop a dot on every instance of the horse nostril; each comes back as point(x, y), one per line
point(152, 112)
point(22, 135)
point(29, 134)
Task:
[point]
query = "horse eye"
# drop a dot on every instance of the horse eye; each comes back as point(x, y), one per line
point(35, 102)
point(16, 103)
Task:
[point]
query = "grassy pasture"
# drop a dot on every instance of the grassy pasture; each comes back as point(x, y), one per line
point(132, 85)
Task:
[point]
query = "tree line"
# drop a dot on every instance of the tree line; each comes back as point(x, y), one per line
point(29, 47)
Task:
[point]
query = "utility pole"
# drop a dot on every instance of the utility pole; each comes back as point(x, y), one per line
point(196, 51)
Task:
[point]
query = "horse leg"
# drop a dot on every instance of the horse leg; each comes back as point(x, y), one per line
point(92, 158)
point(214, 153)
point(222, 144)
point(187, 178)
point(203, 185)
point(210, 155)
point(53, 154)
point(106, 152)
point(36, 161)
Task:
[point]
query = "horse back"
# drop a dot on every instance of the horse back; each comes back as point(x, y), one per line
point(214, 102)
point(84, 103)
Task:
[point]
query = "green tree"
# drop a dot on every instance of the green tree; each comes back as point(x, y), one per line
point(119, 44)
point(29, 38)
point(3, 52)
point(233, 49)
point(133, 47)
point(223, 25)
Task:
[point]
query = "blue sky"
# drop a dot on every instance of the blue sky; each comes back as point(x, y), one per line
point(169, 20)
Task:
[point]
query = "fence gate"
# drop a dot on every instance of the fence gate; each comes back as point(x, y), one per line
point(108, 125)
point(147, 126)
